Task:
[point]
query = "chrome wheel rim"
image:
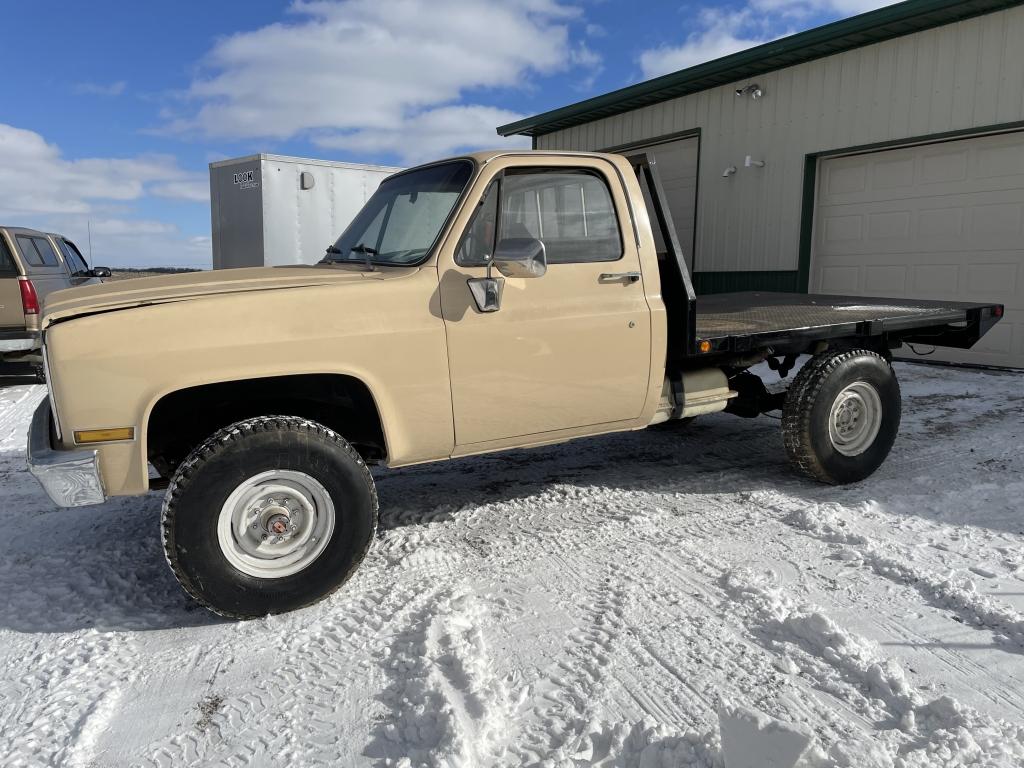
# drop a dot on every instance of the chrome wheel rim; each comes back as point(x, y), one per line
point(855, 419)
point(275, 524)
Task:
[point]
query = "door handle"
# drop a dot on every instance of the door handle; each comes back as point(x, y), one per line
point(610, 277)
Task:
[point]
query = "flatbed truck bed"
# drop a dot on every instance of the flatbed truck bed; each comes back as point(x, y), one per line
point(729, 328)
point(740, 322)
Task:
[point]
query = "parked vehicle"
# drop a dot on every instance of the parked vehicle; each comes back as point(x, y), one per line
point(500, 300)
point(32, 265)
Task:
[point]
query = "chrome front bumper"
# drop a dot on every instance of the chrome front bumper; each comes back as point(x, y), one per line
point(70, 478)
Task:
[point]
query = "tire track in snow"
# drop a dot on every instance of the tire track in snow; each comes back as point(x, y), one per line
point(918, 731)
point(955, 592)
point(54, 712)
point(560, 708)
point(446, 704)
point(290, 713)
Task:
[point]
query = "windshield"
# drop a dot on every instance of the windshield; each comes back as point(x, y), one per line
point(403, 219)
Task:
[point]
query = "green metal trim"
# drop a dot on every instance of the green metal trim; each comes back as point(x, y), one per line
point(729, 282)
point(807, 223)
point(844, 35)
point(809, 199)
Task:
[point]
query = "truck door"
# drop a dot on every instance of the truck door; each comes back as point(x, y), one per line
point(75, 261)
point(568, 350)
point(11, 316)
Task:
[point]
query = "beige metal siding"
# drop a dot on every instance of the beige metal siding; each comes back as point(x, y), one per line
point(941, 221)
point(951, 78)
point(677, 163)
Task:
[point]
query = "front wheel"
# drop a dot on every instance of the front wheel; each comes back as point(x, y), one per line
point(268, 515)
point(841, 416)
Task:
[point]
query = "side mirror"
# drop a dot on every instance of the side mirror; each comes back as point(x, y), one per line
point(486, 292)
point(100, 272)
point(521, 257)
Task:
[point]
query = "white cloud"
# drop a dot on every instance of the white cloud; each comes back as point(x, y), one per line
point(36, 178)
point(102, 89)
point(195, 188)
point(41, 188)
point(430, 134)
point(720, 33)
point(806, 8)
point(349, 69)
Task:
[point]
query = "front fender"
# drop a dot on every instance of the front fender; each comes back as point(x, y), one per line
point(110, 370)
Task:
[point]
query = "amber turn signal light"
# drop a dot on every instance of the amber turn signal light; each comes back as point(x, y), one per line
point(104, 435)
point(704, 346)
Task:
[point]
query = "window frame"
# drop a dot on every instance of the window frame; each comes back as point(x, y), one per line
point(525, 170)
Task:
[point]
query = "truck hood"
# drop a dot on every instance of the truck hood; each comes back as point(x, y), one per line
point(124, 294)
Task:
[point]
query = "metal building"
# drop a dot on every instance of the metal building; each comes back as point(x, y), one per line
point(270, 210)
point(882, 154)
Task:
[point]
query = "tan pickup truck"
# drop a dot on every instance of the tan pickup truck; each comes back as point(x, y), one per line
point(494, 301)
point(33, 264)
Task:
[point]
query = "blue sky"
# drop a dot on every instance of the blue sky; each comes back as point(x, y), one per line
point(114, 109)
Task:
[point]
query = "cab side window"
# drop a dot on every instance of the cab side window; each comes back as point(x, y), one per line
point(570, 211)
point(72, 257)
point(477, 243)
point(37, 251)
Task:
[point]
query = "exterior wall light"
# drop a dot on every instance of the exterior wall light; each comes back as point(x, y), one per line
point(750, 162)
point(731, 170)
point(753, 91)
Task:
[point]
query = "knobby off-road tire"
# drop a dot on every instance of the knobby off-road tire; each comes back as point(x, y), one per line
point(841, 416)
point(279, 473)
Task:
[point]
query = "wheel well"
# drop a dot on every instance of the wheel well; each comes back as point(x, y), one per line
point(181, 420)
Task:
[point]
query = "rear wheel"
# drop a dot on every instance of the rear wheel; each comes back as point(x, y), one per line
point(268, 515)
point(841, 416)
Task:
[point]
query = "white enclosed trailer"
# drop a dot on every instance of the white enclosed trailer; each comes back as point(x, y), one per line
point(270, 210)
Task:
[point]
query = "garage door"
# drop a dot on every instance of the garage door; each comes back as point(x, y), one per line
point(677, 167)
point(940, 221)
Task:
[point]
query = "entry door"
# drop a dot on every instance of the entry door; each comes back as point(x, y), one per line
point(567, 350)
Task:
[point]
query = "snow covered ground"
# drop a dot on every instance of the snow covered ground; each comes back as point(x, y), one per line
point(664, 598)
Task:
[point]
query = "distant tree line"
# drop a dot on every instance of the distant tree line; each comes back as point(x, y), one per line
point(156, 270)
